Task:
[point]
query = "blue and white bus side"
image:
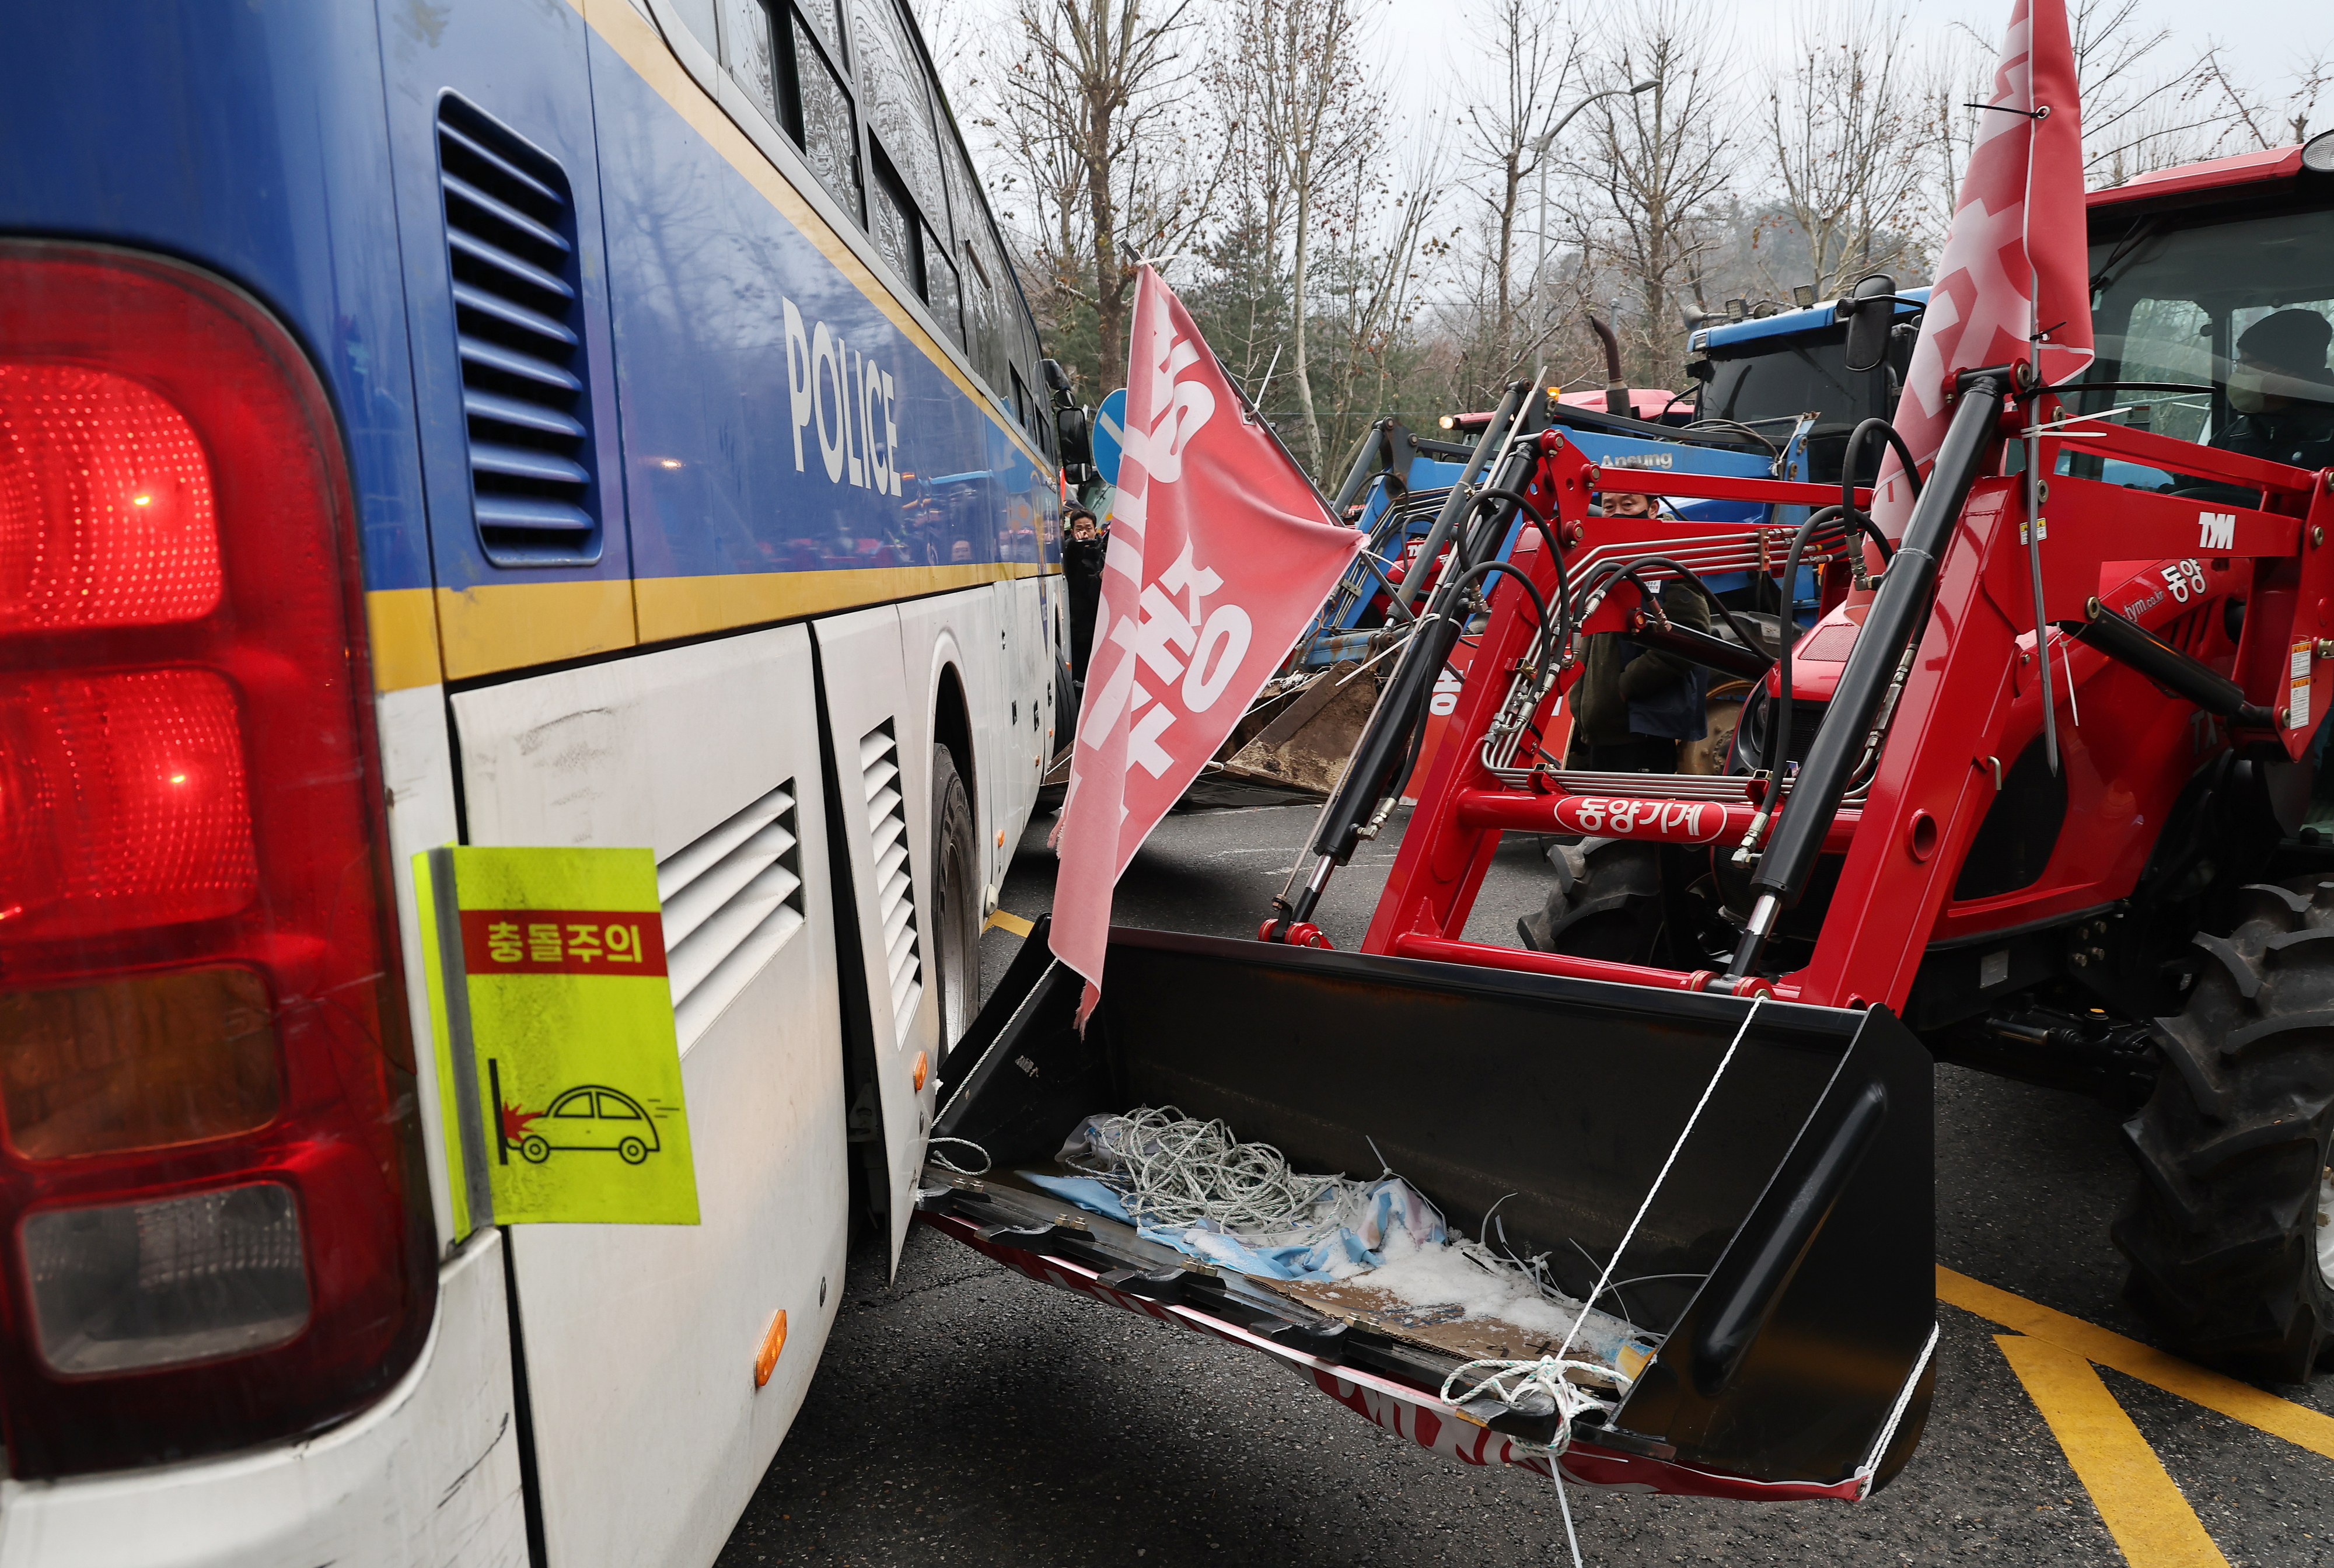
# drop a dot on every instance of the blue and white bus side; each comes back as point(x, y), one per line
point(509, 422)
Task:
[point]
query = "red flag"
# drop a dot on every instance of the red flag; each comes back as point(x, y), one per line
point(1221, 552)
point(2015, 281)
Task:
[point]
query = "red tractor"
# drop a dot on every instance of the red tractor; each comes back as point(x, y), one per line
point(2029, 794)
point(2071, 861)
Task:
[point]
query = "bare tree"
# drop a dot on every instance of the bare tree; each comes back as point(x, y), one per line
point(2143, 107)
point(1299, 97)
point(1095, 107)
point(1844, 141)
point(1373, 278)
point(1654, 164)
point(1508, 146)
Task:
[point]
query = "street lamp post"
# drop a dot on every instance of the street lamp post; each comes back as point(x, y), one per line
point(1539, 156)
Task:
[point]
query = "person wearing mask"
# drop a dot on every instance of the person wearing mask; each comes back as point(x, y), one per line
point(1081, 554)
point(1632, 706)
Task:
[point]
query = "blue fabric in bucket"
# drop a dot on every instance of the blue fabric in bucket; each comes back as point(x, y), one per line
point(1387, 1205)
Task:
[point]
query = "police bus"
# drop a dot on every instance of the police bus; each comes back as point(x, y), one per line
point(505, 423)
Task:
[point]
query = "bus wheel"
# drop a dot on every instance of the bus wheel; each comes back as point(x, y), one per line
point(956, 899)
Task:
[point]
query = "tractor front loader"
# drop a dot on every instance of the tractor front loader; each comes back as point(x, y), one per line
point(2024, 798)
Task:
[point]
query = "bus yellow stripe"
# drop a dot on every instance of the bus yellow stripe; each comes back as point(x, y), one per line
point(673, 607)
point(401, 635)
point(508, 625)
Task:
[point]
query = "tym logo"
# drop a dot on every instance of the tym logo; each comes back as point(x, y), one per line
point(853, 404)
point(2216, 530)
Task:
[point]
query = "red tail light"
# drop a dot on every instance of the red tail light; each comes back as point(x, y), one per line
point(217, 1223)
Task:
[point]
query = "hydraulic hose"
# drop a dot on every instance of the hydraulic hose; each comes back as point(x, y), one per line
point(1539, 601)
point(1847, 463)
point(1775, 755)
point(1386, 739)
point(1454, 505)
point(1897, 615)
point(1522, 503)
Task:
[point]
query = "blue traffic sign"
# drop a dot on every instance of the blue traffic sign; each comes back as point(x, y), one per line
point(1110, 435)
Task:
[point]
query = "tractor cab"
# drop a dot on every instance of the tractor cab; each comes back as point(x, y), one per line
point(1783, 379)
point(2213, 303)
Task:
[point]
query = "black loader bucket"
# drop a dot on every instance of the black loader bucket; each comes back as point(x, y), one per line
point(1782, 1277)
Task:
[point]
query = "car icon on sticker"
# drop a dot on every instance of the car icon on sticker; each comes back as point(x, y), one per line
point(592, 1117)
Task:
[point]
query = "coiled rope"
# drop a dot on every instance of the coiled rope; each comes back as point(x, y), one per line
point(1173, 1172)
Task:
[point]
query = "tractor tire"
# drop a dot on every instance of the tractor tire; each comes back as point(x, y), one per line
point(2231, 1247)
point(1606, 902)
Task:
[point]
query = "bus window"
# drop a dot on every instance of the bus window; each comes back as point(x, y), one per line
point(1021, 398)
point(813, 106)
point(940, 287)
point(751, 59)
point(899, 107)
point(981, 311)
point(897, 232)
point(825, 18)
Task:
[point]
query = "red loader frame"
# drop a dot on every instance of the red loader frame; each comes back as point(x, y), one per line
point(1972, 700)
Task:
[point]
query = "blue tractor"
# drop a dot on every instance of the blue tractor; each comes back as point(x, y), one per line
point(1770, 397)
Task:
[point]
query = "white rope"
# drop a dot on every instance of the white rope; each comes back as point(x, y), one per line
point(938, 1158)
point(1509, 1380)
point(1663, 1174)
point(1174, 1172)
point(1564, 1504)
point(1546, 1374)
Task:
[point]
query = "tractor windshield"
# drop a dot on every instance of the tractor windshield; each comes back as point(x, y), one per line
point(2214, 331)
point(1769, 383)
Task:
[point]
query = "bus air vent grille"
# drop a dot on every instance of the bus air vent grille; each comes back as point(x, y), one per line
point(731, 900)
point(510, 242)
point(895, 894)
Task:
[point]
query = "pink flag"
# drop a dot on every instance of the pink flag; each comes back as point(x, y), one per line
point(1219, 555)
point(2017, 229)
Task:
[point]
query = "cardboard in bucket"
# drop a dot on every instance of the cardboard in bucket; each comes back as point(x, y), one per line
point(558, 1070)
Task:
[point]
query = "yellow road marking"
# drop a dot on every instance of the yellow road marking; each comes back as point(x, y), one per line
point(1012, 922)
point(2297, 1424)
point(2142, 1507)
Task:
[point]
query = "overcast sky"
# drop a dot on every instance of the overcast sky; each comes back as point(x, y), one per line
point(1430, 53)
point(2263, 40)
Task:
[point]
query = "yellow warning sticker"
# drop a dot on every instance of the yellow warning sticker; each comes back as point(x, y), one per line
point(559, 1074)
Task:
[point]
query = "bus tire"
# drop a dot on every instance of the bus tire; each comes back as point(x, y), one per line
point(956, 900)
point(2229, 1252)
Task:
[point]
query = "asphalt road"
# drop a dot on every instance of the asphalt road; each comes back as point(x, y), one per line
point(966, 1416)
